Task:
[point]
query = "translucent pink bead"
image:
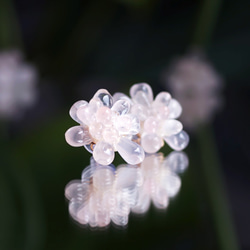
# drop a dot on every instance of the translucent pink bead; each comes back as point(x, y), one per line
point(130, 151)
point(75, 107)
point(140, 111)
point(178, 141)
point(104, 96)
point(103, 153)
point(170, 127)
point(95, 130)
point(127, 124)
point(121, 107)
point(78, 136)
point(111, 135)
point(104, 115)
point(150, 125)
point(163, 98)
point(141, 93)
point(175, 109)
point(151, 143)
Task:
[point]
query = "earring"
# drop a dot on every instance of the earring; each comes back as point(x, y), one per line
point(118, 123)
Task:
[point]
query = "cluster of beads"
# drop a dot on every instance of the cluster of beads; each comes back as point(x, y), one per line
point(106, 194)
point(17, 84)
point(196, 84)
point(131, 126)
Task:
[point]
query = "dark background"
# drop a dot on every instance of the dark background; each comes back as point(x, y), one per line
point(81, 46)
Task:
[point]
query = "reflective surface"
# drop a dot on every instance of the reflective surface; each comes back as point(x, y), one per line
point(107, 194)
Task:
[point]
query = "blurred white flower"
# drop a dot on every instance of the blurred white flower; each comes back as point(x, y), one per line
point(17, 84)
point(196, 85)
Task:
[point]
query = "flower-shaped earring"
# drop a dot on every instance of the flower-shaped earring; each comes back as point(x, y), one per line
point(105, 126)
point(158, 119)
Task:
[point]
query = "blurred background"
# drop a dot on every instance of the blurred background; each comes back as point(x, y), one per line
point(53, 53)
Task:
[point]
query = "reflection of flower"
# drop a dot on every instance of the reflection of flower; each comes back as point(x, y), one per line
point(160, 180)
point(107, 126)
point(17, 84)
point(195, 83)
point(106, 194)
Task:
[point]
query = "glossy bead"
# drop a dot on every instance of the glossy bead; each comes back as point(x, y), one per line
point(130, 151)
point(75, 107)
point(141, 93)
point(78, 136)
point(103, 153)
point(121, 107)
point(95, 129)
point(127, 124)
point(150, 125)
point(151, 143)
point(179, 141)
point(104, 116)
point(162, 99)
point(111, 135)
point(105, 97)
point(175, 109)
point(170, 127)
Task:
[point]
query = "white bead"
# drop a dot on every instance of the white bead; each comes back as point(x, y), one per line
point(111, 135)
point(127, 124)
point(105, 97)
point(78, 136)
point(121, 107)
point(175, 109)
point(141, 93)
point(95, 129)
point(178, 141)
point(161, 112)
point(130, 151)
point(103, 153)
point(151, 143)
point(170, 127)
point(162, 99)
point(120, 96)
point(104, 115)
point(140, 111)
point(150, 125)
point(85, 114)
point(75, 107)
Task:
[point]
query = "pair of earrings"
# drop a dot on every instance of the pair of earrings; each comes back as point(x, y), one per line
point(132, 125)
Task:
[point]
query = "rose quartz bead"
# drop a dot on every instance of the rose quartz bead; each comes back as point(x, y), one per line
point(103, 153)
point(178, 141)
point(78, 136)
point(151, 143)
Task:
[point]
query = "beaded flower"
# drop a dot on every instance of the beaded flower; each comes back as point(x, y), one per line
point(158, 119)
point(105, 126)
point(17, 84)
